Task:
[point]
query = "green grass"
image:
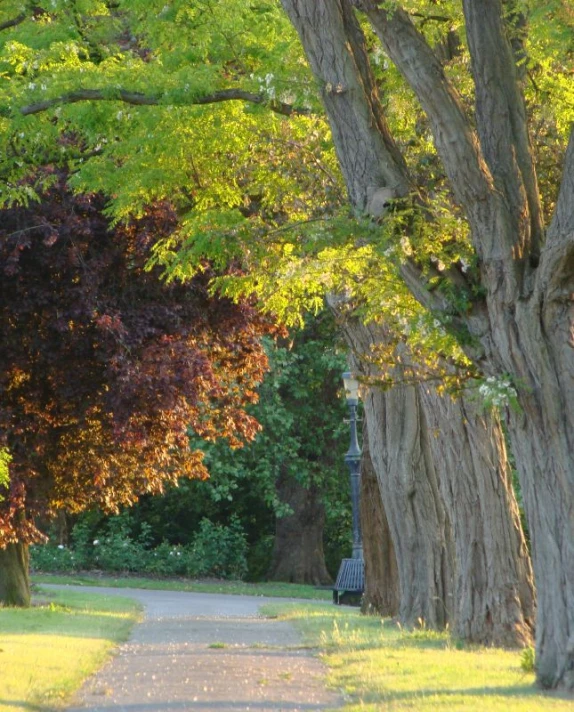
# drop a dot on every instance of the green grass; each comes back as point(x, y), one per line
point(47, 651)
point(271, 589)
point(381, 668)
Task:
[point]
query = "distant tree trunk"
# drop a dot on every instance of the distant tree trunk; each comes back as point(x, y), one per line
point(14, 575)
point(494, 587)
point(298, 555)
point(381, 572)
point(416, 515)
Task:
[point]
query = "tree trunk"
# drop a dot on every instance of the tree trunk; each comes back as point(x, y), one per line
point(543, 444)
point(298, 555)
point(540, 351)
point(494, 590)
point(403, 461)
point(457, 460)
point(14, 576)
point(417, 519)
point(381, 572)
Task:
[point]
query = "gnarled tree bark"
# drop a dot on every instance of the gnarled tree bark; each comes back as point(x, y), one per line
point(494, 587)
point(412, 470)
point(399, 447)
point(381, 594)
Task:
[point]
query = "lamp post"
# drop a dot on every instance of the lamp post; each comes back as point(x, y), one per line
point(350, 583)
point(353, 460)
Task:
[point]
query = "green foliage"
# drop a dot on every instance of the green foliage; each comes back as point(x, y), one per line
point(220, 551)
point(55, 558)
point(528, 660)
point(251, 187)
point(5, 459)
point(304, 436)
point(215, 551)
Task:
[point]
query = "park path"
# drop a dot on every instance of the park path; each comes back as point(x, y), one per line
point(206, 653)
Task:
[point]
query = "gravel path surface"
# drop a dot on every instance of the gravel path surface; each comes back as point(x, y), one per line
point(206, 652)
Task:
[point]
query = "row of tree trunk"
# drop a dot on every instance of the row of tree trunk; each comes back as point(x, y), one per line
point(443, 539)
point(522, 321)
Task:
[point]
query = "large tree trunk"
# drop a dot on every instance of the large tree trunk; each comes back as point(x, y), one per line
point(422, 536)
point(543, 444)
point(14, 575)
point(526, 323)
point(298, 555)
point(381, 594)
point(535, 342)
point(494, 600)
point(540, 351)
point(403, 461)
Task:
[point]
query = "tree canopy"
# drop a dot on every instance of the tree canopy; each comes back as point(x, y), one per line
point(104, 367)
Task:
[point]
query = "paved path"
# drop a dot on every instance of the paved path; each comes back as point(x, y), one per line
point(206, 652)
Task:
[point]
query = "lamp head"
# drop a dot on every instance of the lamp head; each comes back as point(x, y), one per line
point(351, 388)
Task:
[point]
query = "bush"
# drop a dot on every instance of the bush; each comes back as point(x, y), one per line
point(167, 560)
point(528, 659)
point(54, 559)
point(117, 551)
point(216, 551)
point(219, 551)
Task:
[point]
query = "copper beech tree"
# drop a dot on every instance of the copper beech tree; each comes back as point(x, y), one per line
point(104, 369)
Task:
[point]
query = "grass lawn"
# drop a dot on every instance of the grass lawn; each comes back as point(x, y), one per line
point(380, 667)
point(279, 590)
point(48, 650)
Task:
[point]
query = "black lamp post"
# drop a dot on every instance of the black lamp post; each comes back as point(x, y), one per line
point(350, 582)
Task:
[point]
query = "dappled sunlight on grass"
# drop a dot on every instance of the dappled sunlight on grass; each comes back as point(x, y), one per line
point(380, 666)
point(46, 651)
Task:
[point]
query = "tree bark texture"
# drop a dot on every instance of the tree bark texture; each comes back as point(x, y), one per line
point(381, 571)
point(523, 326)
point(401, 455)
point(14, 576)
point(494, 587)
point(493, 600)
point(298, 555)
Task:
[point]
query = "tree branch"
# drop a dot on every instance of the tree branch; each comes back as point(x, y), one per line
point(454, 138)
point(13, 22)
point(555, 276)
point(334, 45)
point(563, 220)
point(139, 99)
point(501, 121)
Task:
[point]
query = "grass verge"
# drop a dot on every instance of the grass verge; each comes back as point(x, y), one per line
point(380, 667)
point(271, 589)
point(48, 650)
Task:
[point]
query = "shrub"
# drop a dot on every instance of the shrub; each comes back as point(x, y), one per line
point(216, 550)
point(117, 551)
point(54, 559)
point(528, 660)
point(219, 551)
point(167, 560)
